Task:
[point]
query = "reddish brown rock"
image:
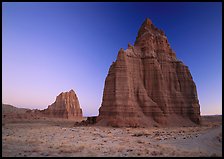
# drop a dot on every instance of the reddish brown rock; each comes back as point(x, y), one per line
point(89, 121)
point(66, 106)
point(148, 85)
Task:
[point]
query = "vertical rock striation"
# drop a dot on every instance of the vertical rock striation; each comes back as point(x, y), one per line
point(66, 106)
point(148, 85)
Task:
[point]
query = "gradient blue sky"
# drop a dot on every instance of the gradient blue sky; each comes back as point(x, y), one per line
point(48, 48)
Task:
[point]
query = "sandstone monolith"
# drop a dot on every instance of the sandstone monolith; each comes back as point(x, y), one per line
point(147, 85)
point(66, 106)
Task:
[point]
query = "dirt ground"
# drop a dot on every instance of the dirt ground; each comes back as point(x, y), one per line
point(60, 138)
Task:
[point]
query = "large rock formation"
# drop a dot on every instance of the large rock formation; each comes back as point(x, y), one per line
point(148, 85)
point(66, 106)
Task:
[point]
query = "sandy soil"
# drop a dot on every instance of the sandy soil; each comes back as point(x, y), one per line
point(61, 138)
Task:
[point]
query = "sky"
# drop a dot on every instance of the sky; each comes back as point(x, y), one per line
point(49, 48)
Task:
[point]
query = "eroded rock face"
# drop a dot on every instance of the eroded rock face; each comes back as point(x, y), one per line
point(148, 85)
point(66, 106)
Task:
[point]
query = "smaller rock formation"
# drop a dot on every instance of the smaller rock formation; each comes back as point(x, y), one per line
point(66, 106)
point(12, 113)
point(89, 121)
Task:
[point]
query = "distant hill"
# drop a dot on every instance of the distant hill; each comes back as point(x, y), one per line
point(7, 109)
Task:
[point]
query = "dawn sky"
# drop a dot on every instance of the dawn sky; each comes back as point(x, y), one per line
point(49, 48)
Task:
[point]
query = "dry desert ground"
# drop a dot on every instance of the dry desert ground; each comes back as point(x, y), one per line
point(61, 138)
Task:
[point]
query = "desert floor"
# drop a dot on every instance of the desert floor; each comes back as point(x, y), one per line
point(61, 138)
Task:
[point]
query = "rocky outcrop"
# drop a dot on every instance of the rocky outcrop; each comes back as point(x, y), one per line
point(11, 113)
point(89, 121)
point(148, 85)
point(66, 106)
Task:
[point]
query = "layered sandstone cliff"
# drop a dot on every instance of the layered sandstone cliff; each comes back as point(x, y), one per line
point(148, 85)
point(66, 106)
